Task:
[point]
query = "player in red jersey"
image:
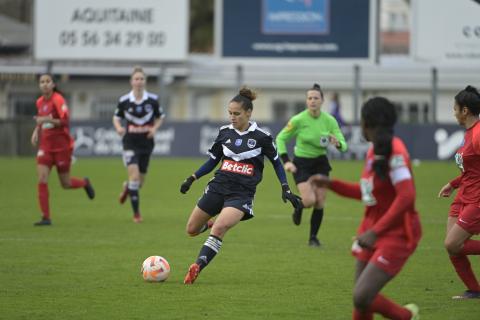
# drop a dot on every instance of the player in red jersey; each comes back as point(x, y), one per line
point(55, 145)
point(464, 216)
point(390, 230)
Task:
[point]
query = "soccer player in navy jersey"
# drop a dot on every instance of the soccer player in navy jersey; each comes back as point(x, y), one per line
point(464, 216)
point(241, 147)
point(143, 116)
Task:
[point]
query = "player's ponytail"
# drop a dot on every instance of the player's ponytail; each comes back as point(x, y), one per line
point(316, 87)
point(378, 115)
point(245, 96)
point(469, 98)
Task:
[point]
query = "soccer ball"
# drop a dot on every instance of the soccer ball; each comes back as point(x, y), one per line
point(155, 269)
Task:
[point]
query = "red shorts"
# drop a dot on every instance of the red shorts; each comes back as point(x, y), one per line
point(389, 254)
point(61, 159)
point(468, 215)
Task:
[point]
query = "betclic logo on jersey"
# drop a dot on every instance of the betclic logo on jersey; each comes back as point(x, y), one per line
point(246, 169)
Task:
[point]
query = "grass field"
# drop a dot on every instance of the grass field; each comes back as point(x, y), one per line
point(86, 266)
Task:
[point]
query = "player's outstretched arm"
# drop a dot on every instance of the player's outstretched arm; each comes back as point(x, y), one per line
point(342, 188)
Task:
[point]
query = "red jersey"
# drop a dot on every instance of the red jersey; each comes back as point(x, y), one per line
point(378, 195)
point(54, 138)
point(468, 160)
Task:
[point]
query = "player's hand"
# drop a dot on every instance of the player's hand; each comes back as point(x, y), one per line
point(367, 239)
point(287, 194)
point(446, 191)
point(290, 167)
point(334, 141)
point(151, 133)
point(121, 131)
point(187, 184)
point(319, 180)
point(34, 138)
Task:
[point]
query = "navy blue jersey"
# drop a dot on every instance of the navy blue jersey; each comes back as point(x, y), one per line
point(242, 155)
point(140, 117)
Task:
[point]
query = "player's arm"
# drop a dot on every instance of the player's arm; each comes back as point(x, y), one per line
point(34, 138)
point(159, 116)
point(215, 152)
point(117, 120)
point(404, 200)
point(283, 137)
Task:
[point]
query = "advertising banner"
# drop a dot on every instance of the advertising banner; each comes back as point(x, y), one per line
point(192, 139)
point(109, 29)
point(334, 29)
point(446, 32)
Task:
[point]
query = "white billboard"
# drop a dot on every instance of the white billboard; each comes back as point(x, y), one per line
point(153, 30)
point(446, 31)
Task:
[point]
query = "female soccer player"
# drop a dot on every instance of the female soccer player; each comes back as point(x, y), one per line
point(390, 230)
point(464, 216)
point(55, 145)
point(143, 117)
point(313, 130)
point(241, 146)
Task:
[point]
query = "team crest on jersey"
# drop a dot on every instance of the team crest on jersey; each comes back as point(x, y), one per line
point(251, 143)
point(45, 108)
point(138, 109)
point(148, 107)
point(238, 142)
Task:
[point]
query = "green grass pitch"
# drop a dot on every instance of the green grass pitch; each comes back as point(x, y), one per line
point(87, 265)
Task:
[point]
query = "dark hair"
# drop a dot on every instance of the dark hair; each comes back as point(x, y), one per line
point(379, 114)
point(316, 87)
point(138, 69)
point(245, 96)
point(469, 98)
point(54, 80)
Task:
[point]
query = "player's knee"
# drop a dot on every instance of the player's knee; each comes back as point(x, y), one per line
point(308, 202)
point(361, 300)
point(219, 229)
point(452, 247)
point(65, 184)
point(191, 230)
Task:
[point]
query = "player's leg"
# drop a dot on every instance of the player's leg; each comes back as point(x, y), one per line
point(133, 190)
point(43, 172)
point(367, 300)
point(226, 220)
point(459, 245)
point(63, 162)
point(317, 215)
point(308, 200)
point(198, 222)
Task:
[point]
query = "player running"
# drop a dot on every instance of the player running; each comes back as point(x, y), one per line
point(143, 116)
point(314, 130)
point(55, 145)
point(464, 216)
point(241, 146)
point(390, 230)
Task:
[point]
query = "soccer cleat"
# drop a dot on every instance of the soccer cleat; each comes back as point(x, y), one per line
point(124, 194)
point(297, 216)
point(414, 310)
point(468, 294)
point(314, 242)
point(89, 189)
point(43, 222)
point(192, 274)
point(137, 218)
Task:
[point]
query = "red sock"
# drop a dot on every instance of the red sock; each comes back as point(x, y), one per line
point(77, 183)
point(471, 247)
point(43, 200)
point(465, 272)
point(357, 315)
point(389, 309)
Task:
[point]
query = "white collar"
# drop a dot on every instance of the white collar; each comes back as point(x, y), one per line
point(131, 96)
point(253, 126)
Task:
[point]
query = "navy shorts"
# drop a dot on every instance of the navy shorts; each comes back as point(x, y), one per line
point(307, 167)
point(213, 201)
point(138, 157)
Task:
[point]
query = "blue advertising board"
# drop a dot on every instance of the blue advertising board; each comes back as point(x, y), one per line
point(339, 29)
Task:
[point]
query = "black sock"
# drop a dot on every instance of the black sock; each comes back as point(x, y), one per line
point(210, 248)
point(133, 187)
point(315, 222)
